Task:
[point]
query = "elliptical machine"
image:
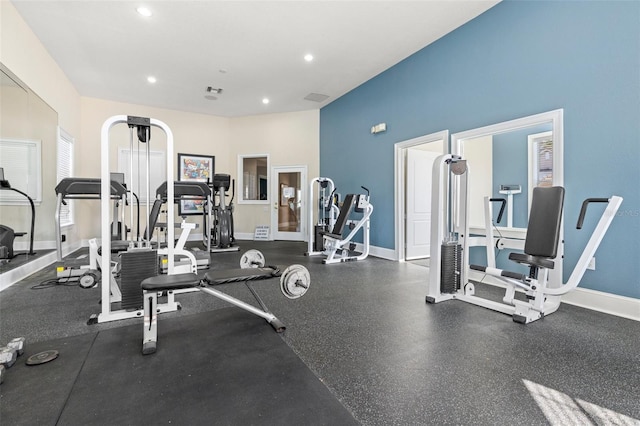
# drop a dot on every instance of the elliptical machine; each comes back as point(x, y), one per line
point(220, 230)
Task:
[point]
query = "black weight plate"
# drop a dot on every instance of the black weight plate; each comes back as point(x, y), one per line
point(42, 357)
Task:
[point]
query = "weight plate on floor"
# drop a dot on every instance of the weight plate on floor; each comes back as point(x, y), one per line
point(89, 279)
point(42, 357)
point(252, 259)
point(295, 281)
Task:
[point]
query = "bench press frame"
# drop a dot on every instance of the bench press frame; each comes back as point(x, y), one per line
point(170, 283)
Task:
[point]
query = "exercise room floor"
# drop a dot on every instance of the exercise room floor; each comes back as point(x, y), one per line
point(365, 331)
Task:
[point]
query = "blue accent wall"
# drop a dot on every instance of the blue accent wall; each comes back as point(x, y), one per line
point(518, 58)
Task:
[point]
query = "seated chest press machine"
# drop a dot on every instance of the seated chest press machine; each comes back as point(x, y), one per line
point(338, 248)
point(449, 270)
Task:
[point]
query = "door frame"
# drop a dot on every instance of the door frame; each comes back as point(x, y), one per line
point(399, 157)
point(302, 169)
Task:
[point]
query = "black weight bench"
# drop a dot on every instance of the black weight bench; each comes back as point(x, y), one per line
point(153, 285)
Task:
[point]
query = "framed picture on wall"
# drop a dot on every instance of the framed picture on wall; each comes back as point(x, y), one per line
point(198, 168)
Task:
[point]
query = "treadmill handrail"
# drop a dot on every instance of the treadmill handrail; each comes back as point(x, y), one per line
point(87, 188)
point(185, 190)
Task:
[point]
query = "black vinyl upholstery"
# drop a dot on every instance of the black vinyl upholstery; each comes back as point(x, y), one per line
point(543, 230)
point(345, 211)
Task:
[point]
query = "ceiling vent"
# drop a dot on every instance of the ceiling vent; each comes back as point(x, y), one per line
point(316, 97)
point(211, 91)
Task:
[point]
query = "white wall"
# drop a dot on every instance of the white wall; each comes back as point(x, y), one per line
point(290, 139)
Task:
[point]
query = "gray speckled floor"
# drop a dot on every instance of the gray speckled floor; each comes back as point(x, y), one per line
point(364, 329)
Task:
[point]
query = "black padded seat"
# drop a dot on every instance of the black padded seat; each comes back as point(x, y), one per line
point(170, 282)
point(526, 259)
point(225, 276)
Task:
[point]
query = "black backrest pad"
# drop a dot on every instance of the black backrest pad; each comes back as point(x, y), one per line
point(543, 230)
point(345, 211)
point(153, 217)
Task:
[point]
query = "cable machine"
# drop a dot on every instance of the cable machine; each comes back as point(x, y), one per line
point(138, 260)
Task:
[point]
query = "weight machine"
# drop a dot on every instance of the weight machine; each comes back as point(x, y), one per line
point(138, 260)
point(449, 266)
point(338, 248)
point(328, 211)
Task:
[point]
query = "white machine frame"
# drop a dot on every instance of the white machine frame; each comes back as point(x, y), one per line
point(337, 250)
point(109, 294)
point(323, 202)
point(544, 294)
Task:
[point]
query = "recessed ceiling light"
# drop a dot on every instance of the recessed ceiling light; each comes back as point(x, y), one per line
point(265, 101)
point(151, 79)
point(308, 57)
point(144, 11)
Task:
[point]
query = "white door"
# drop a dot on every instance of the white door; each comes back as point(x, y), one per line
point(288, 206)
point(418, 209)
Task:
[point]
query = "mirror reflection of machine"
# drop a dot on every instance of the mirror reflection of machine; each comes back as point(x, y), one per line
point(510, 191)
point(86, 272)
point(7, 234)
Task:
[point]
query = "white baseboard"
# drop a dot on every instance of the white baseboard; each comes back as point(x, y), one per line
point(621, 306)
point(247, 236)
point(37, 245)
point(12, 276)
point(381, 252)
point(626, 307)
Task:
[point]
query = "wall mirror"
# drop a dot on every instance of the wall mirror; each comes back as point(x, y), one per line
point(28, 139)
point(253, 184)
point(507, 160)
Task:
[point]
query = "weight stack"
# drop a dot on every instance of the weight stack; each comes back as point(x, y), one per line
point(318, 242)
point(450, 264)
point(136, 266)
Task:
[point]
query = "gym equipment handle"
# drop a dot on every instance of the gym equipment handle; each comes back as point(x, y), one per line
point(583, 210)
point(502, 206)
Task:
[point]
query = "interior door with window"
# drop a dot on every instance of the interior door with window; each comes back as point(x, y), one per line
point(288, 207)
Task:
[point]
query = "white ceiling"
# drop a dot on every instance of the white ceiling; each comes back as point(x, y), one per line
point(250, 49)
